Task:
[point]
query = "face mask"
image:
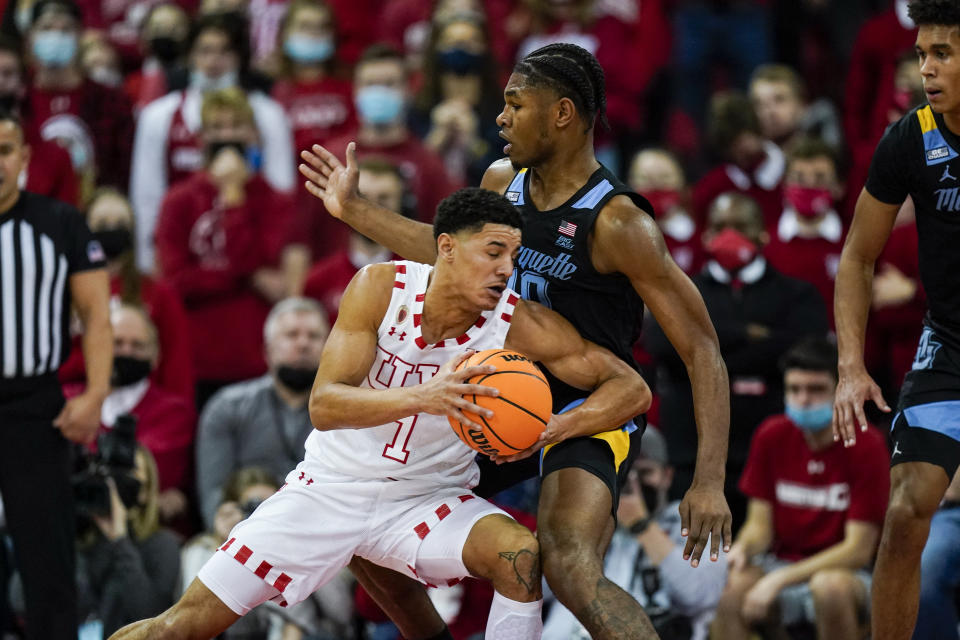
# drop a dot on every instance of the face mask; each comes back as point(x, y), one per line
point(165, 48)
point(114, 241)
point(460, 61)
point(128, 370)
point(9, 102)
point(809, 202)
point(307, 49)
point(812, 419)
point(203, 83)
point(378, 104)
point(54, 48)
point(106, 76)
point(214, 148)
point(732, 250)
point(663, 200)
point(651, 497)
point(79, 157)
point(296, 378)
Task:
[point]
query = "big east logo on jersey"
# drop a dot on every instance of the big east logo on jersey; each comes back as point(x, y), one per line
point(395, 372)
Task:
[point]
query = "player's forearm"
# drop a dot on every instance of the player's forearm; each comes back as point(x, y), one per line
point(407, 238)
point(342, 406)
point(851, 306)
point(611, 404)
point(711, 402)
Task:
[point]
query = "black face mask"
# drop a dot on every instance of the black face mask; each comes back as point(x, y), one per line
point(651, 498)
point(128, 370)
point(296, 378)
point(166, 49)
point(460, 61)
point(9, 102)
point(214, 148)
point(114, 241)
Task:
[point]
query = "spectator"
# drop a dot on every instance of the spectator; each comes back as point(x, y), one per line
point(111, 219)
point(49, 171)
point(163, 38)
point(779, 100)
point(809, 234)
point(751, 165)
point(657, 174)
point(50, 264)
point(381, 95)
point(263, 422)
point(128, 565)
point(456, 110)
point(222, 242)
point(382, 183)
point(168, 145)
point(99, 61)
point(165, 422)
point(319, 104)
point(92, 121)
point(645, 556)
point(815, 514)
point(939, 575)
point(758, 314)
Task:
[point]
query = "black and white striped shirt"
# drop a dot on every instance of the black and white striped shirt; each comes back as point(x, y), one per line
point(42, 243)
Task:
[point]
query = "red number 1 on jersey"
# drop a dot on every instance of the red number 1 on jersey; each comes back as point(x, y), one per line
point(397, 450)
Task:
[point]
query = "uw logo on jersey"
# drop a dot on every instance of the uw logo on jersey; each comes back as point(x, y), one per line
point(935, 146)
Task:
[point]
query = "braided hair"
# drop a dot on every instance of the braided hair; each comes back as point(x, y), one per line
point(574, 73)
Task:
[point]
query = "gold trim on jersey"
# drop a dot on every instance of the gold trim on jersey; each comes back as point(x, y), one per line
point(617, 439)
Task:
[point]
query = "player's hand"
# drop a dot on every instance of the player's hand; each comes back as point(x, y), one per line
point(760, 598)
point(328, 179)
point(443, 394)
point(853, 391)
point(560, 427)
point(79, 420)
point(704, 515)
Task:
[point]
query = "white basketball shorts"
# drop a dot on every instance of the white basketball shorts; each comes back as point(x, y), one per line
point(303, 535)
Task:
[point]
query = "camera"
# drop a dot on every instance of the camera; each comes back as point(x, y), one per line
point(114, 458)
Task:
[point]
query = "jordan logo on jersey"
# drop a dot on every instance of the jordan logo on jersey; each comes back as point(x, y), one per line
point(946, 174)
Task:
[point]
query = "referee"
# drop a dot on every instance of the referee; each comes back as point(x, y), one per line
point(49, 263)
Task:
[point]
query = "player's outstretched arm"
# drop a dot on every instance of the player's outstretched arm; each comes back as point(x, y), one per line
point(872, 222)
point(618, 393)
point(337, 401)
point(627, 240)
point(336, 185)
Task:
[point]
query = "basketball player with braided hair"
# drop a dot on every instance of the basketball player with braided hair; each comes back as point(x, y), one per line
point(593, 253)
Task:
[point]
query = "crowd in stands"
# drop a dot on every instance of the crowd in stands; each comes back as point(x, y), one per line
point(174, 126)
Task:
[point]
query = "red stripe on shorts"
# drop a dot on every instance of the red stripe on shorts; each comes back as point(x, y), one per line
point(399, 285)
point(243, 554)
point(465, 498)
point(263, 569)
point(422, 530)
point(282, 582)
point(443, 511)
point(227, 544)
point(401, 268)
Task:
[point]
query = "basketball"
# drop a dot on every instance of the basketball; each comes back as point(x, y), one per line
point(521, 411)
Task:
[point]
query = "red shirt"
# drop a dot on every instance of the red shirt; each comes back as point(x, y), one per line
point(209, 254)
point(318, 111)
point(93, 121)
point(166, 424)
point(327, 281)
point(721, 179)
point(50, 173)
point(174, 372)
point(422, 169)
point(814, 494)
point(814, 260)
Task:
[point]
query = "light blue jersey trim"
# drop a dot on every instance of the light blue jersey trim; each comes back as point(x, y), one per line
point(942, 417)
point(594, 196)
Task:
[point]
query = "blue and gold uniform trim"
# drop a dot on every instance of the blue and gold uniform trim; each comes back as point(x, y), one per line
point(935, 147)
point(617, 439)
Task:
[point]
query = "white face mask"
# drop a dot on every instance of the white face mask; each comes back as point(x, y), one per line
point(203, 83)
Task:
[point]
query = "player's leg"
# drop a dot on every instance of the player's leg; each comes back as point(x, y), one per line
point(574, 525)
point(402, 598)
point(916, 489)
point(840, 599)
point(198, 615)
point(729, 623)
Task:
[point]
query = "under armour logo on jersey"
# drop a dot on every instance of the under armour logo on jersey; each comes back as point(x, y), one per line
point(896, 449)
point(946, 174)
point(393, 330)
point(815, 467)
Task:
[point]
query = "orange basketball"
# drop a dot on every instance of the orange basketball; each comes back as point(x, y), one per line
point(521, 411)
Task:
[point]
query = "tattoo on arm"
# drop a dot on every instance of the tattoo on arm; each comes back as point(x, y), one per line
point(526, 566)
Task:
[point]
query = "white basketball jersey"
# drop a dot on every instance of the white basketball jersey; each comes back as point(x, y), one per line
point(423, 446)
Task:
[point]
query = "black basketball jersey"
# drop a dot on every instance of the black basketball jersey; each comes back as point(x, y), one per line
point(554, 268)
point(920, 157)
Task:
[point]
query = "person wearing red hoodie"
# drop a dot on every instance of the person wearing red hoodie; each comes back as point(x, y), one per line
point(220, 237)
